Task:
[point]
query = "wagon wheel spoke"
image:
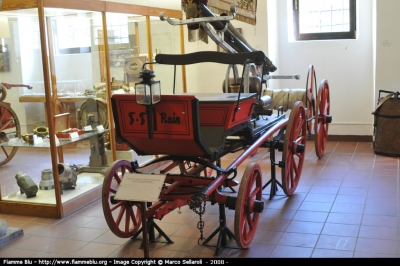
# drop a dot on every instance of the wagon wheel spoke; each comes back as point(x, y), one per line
point(322, 115)
point(116, 177)
point(294, 148)
point(246, 212)
point(129, 217)
point(311, 84)
point(9, 124)
point(249, 221)
point(120, 214)
point(119, 204)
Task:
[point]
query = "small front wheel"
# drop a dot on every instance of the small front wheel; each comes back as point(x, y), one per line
point(294, 148)
point(124, 218)
point(248, 205)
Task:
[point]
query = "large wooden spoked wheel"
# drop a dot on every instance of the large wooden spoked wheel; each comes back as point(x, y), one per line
point(294, 148)
point(246, 217)
point(311, 86)
point(322, 118)
point(9, 127)
point(124, 218)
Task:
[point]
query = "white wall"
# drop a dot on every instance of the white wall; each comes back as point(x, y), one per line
point(387, 76)
point(346, 64)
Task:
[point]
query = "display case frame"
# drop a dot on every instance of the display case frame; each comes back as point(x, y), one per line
point(60, 209)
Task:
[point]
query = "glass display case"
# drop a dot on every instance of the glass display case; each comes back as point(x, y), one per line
point(68, 57)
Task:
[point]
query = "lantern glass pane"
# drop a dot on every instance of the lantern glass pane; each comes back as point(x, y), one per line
point(156, 91)
point(143, 94)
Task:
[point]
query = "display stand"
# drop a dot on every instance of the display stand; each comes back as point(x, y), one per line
point(62, 208)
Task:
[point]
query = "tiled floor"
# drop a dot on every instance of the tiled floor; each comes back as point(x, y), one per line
point(347, 204)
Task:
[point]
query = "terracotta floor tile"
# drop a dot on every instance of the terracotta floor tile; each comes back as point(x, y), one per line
point(315, 206)
point(336, 242)
point(19, 218)
point(16, 253)
point(374, 209)
point(95, 250)
point(285, 204)
point(65, 246)
point(305, 227)
point(349, 199)
point(348, 208)
point(344, 218)
point(378, 232)
point(210, 251)
point(129, 250)
point(267, 237)
point(298, 240)
point(323, 198)
point(328, 253)
point(75, 220)
point(378, 220)
point(85, 234)
point(311, 216)
point(357, 191)
point(341, 230)
point(4, 215)
point(328, 183)
point(347, 204)
point(378, 246)
point(372, 255)
point(254, 251)
point(33, 228)
point(35, 243)
point(355, 183)
point(272, 225)
point(56, 231)
point(277, 214)
point(97, 223)
point(183, 244)
point(291, 252)
point(43, 220)
point(49, 255)
point(324, 190)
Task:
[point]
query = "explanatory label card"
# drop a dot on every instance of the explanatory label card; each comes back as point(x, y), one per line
point(140, 187)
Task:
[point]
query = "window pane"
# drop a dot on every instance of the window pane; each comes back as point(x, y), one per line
point(323, 16)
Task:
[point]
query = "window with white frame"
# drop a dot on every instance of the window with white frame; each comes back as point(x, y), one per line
point(324, 19)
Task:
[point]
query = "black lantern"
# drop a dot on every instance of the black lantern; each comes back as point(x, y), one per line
point(148, 92)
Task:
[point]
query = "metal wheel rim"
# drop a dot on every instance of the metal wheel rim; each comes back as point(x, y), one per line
point(321, 127)
point(127, 212)
point(8, 152)
point(309, 102)
point(296, 130)
point(246, 223)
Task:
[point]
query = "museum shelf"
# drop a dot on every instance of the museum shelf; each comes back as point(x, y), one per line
point(69, 53)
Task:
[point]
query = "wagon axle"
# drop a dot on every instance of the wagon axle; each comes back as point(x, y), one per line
point(325, 119)
point(252, 205)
